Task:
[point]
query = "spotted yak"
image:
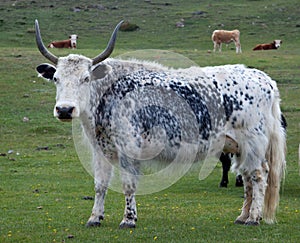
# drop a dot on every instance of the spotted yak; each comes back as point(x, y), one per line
point(135, 110)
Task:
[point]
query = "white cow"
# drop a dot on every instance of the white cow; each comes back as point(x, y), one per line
point(132, 110)
point(225, 36)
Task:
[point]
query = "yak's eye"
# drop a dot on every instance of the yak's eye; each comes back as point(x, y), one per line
point(86, 79)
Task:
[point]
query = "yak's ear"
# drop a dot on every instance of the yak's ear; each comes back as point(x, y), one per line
point(46, 71)
point(101, 70)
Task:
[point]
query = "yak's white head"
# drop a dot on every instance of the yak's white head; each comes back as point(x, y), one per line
point(72, 76)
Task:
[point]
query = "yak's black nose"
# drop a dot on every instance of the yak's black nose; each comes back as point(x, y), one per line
point(64, 113)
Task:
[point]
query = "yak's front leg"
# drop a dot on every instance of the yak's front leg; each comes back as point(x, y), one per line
point(129, 170)
point(259, 182)
point(98, 208)
point(103, 172)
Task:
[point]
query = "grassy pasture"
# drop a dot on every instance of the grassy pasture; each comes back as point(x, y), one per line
point(42, 182)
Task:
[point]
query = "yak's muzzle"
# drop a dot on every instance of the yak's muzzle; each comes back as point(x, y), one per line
point(64, 113)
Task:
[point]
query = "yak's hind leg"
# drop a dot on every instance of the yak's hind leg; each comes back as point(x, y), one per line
point(248, 190)
point(130, 170)
point(252, 164)
point(255, 184)
point(259, 182)
point(103, 172)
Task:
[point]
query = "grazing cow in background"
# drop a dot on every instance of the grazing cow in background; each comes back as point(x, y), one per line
point(70, 43)
point(270, 46)
point(132, 110)
point(225, 36)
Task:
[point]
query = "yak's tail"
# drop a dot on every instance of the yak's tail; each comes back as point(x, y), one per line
point(275, 156)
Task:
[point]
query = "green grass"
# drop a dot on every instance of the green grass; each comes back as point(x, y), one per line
point(41, 191)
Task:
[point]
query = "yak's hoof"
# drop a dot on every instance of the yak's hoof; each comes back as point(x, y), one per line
point(93, 224)
point(94, 221)
point(252, 223)
point(239, 222)
point(126, 224)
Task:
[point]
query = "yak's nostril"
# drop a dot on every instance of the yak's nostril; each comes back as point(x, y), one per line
point(64, 112)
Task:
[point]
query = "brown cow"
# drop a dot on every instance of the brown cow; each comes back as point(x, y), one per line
point(225, 36)
point(270, 46)
point(70, 43)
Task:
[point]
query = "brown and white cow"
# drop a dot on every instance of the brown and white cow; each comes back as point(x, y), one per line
point(225, 36)
point(70, 43)
point(270, 46)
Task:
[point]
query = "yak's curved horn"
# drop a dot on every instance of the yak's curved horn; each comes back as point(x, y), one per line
point(110, 46)
point(41, 45)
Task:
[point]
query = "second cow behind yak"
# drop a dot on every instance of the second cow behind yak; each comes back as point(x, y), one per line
point(70, 43)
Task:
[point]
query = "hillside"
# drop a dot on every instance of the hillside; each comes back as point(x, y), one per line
point(258, 21)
